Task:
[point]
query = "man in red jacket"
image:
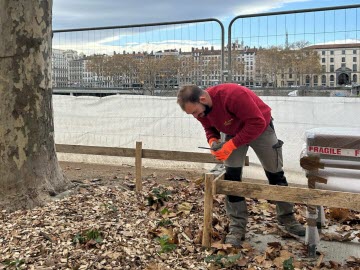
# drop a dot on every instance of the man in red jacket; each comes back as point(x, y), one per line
point(246, 121)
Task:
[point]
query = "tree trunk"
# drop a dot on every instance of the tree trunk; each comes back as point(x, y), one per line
point(29, 169)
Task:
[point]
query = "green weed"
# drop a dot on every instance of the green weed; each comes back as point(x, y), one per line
point(222, 260)
point(166, 246)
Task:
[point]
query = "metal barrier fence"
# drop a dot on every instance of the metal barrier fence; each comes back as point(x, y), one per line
point(154, 58)
point(310, 48)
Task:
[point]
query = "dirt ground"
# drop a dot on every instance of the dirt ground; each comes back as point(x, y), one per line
point(113, 175)
point(101, 223)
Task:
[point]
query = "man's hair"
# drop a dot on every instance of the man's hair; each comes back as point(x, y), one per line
point(189, 93)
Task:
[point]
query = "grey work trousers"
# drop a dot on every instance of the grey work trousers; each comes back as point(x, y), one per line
point(267, 148)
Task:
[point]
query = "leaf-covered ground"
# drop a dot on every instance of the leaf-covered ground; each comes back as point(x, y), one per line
point(105, 224)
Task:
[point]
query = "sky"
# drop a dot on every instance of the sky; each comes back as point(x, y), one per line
point(265, 31)
point(96, 13)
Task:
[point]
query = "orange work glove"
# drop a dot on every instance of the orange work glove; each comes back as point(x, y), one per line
point(225, 151)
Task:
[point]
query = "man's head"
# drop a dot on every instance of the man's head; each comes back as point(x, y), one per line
point(194, 101)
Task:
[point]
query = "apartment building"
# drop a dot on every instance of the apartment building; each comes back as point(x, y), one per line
point(202, 66)
point(60, 68)
point(340, 64)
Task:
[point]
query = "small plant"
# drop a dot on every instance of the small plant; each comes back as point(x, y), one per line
point(88, 236)
point(158, 196)
point(94, 235)
point(165, 211)
point(288, 264)
point(78, 238)
point(165, 244)
point(222, 260)
point(164, 223)
point(15, 263)
point(111, 208)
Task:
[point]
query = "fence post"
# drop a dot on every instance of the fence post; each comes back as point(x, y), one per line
point(208, 209)
point(138, 176)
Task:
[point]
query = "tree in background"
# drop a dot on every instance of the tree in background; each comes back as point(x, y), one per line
point(168, 73)
point(211, 69)
point(101, 67)
point(122, 68)
point(148, 69)
point(237, 65)
point(294, 62)
point(187, 68)
point(303, 61)
point(269, 63)
point(29, 168)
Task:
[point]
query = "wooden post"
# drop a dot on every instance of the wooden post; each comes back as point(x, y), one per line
point(208, 209)
point(138, 176)
point(313, 234)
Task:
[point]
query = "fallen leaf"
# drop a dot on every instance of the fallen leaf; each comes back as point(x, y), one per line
point(221, 246)
point(185, 207)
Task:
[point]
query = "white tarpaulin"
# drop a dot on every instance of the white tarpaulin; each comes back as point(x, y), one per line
point(121, 120)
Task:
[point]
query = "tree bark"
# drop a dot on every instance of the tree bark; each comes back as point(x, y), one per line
point(29, 170)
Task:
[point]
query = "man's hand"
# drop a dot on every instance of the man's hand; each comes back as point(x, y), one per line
point(212, 141)
point(214, 145)
point(225, 151)
point(217, 145)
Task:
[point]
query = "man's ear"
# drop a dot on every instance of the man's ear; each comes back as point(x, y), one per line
point(202, 99)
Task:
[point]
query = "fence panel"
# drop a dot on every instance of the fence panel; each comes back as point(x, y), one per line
point(304, 50)
point(151, 59)
point(146, 64)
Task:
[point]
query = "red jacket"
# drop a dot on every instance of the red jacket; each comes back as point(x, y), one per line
point(236, 111)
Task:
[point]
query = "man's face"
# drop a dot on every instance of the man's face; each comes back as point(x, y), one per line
point(197, 109)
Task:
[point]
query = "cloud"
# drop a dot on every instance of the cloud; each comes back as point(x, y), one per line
point(95, 13)
point(105, 47)
point(340, 41)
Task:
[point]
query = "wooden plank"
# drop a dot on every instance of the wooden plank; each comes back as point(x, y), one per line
point(129, 152)
point(290, 194)
point(314, 163)
point(138, 157)
point(180, 156)
point(221, 176)
point(208, 209)
point(95, 150)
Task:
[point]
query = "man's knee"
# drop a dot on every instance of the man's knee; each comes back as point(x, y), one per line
point(233, 174)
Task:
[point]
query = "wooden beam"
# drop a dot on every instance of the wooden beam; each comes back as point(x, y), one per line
point(130, 152)
point(208, 210)
point(290, 194)
point(311, 163)
point(221, 176)
point(95, 150)
point(138, 175)
point(179, 156)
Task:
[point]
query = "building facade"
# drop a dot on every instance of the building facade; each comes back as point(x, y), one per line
point(340, 64)
point(202, 66)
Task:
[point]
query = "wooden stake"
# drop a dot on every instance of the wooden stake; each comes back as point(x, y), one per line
point(208, 209)
point(138, 156)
